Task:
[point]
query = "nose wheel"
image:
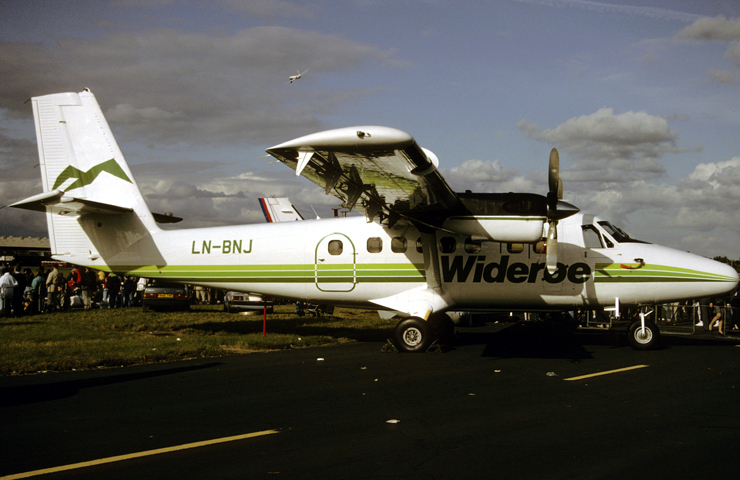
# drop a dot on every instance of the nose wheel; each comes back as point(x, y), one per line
point(643, 338)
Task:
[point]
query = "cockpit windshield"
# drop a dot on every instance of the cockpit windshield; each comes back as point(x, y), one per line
point(617, 233)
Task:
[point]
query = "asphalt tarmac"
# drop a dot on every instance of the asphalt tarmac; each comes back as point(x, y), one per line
point(503, 402)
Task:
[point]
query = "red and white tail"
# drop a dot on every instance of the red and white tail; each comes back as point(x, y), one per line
point(279, 210)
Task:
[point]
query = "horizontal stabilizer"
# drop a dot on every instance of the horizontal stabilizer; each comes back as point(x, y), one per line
point(59, 203)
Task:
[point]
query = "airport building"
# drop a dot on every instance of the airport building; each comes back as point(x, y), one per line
point(28, 251)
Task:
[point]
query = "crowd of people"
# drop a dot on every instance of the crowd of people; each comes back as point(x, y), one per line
point(26, 291)
point(30, 292)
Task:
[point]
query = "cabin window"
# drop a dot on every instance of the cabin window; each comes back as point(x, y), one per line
point(374, 244)
point(398, 244)
point(515, 247)
point(447, 244)
point(335, 247)
point(539, 247)
point(591, 237)
point(472, 246)
point(419, 245)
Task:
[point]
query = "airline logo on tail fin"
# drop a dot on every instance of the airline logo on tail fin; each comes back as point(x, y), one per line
point(88, 177)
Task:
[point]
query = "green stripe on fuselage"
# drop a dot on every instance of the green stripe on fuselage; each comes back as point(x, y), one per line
point(291, 273)
point(615, 273)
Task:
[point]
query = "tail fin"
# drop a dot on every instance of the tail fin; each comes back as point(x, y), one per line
point(96, 213)
point(279, 210)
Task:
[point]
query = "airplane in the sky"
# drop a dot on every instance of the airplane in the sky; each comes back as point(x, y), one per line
point(419, 248)
point(298, 75)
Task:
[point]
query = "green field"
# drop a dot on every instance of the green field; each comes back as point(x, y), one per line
point(81, 340)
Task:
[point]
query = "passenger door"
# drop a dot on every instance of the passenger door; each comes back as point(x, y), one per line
point(335, 266)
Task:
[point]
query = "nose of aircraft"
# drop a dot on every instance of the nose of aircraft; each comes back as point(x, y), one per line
point(701, 277)
point(731, 275)
point(721, 278)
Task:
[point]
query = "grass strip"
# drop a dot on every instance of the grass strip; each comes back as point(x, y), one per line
point(81, 340)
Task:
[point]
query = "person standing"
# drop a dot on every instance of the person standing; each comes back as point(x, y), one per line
point(18, 291)
point(53, 282)
point(114, 287)
point(87, 280)
point(38, 291)
point(7, 286)
point(735, 312)
point(100, 286)
point(127, 291)
point(104, 288)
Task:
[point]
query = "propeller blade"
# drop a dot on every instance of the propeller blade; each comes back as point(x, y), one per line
point(551, 255)
point(556, 210)
point(554, 173)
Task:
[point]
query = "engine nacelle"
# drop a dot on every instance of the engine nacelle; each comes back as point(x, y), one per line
point(500, 217)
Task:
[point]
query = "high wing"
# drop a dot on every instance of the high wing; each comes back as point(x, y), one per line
point(378, 171)
point(383, 173)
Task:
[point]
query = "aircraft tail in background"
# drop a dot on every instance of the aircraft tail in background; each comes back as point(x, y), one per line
point(279, 210)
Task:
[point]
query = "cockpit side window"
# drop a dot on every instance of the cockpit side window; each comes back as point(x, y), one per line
point(591, 237)
point(617, 233)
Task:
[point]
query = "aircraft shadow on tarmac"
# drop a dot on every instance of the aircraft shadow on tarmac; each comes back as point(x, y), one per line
point(527, 340)
point(562, 341)
point(27, 394)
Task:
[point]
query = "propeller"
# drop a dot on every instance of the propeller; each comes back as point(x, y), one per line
point(556, 210)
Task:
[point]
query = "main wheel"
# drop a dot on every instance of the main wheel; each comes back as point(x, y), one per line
point(412, 335)
point(643, 340)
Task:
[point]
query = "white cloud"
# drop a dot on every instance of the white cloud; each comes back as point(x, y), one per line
point(718, 28)
point(487, 176)
point(611, 148)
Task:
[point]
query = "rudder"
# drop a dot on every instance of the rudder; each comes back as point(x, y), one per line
point(96, 213)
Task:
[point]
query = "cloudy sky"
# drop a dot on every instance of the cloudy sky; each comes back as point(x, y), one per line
point(641, 98)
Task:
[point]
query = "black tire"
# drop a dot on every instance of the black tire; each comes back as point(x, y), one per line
point(412, 335)
point(643, 341)
point(145, 308)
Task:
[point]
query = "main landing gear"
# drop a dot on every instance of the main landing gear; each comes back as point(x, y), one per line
point(414, 335)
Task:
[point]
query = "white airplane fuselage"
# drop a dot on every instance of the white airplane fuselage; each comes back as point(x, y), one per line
point(348, 261)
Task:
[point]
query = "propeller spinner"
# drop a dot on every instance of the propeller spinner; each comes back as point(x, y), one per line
point(556, 210)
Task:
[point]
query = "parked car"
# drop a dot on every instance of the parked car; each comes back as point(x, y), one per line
point(162, 295)
point(245, 302)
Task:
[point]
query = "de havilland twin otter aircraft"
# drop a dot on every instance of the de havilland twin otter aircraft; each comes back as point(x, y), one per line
point(419, 248)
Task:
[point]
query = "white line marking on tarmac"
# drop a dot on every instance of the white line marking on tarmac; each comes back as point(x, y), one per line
point(605, 373)
point(120, 458)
